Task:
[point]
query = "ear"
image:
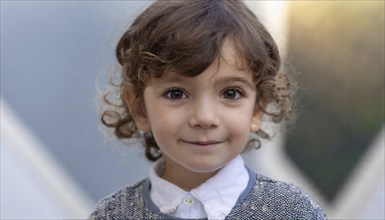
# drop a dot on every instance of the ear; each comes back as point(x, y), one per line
point(137, 109)
point(256, 119)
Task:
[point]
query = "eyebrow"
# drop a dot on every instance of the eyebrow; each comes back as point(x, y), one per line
point(223, 80)
point(239, 79)
point(171, 79)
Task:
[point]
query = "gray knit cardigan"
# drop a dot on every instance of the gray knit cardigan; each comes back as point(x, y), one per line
point(263, 198)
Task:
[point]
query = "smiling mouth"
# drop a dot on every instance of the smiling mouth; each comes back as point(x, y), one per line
point(203, 143)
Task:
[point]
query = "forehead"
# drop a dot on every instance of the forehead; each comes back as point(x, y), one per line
point(229, 52)
point(220, 73)
point(229, 63)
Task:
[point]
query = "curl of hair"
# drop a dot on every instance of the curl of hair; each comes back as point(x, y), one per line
point(185, 37)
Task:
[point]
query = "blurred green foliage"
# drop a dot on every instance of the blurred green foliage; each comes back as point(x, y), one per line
point(337, 48)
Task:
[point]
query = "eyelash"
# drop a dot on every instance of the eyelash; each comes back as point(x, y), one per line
point(239, 93)
point(168, 93)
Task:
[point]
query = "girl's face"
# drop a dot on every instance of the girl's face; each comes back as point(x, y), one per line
point(203, 122)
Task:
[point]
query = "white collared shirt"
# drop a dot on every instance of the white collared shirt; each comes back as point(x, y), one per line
point(213, 199)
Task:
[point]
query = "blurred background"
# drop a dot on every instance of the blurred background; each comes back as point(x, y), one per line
point(56, 163)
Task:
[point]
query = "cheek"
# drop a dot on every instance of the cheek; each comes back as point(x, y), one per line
point(239, 124)
point(241, 117)
point(160, 116)
point(164, 122)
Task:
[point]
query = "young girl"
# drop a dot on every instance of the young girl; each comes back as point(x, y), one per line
point(196, 79)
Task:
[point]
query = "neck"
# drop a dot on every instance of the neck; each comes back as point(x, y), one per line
point(183, 177)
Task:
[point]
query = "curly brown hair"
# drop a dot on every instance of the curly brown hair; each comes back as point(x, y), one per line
point(186, 37)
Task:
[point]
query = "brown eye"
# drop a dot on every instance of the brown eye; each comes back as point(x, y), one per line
point(174, 94)
point(231, 94)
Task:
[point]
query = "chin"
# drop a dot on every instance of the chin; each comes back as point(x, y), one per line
point(205, 168)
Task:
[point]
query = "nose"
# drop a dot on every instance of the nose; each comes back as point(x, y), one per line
point(204, 114)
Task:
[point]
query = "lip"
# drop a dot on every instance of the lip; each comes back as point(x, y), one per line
point(203, 143)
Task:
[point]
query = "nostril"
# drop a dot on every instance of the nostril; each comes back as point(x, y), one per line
point(204, 121)
point(203, 113)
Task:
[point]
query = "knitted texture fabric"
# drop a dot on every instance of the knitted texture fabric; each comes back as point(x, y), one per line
point(267, 199)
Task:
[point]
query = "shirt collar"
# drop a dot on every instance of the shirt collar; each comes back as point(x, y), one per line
point(164, 194)
point(218, 194)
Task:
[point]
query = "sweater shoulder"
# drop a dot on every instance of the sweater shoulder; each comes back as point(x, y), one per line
point(120, 203)
point(273, 199)
point(284, 191)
